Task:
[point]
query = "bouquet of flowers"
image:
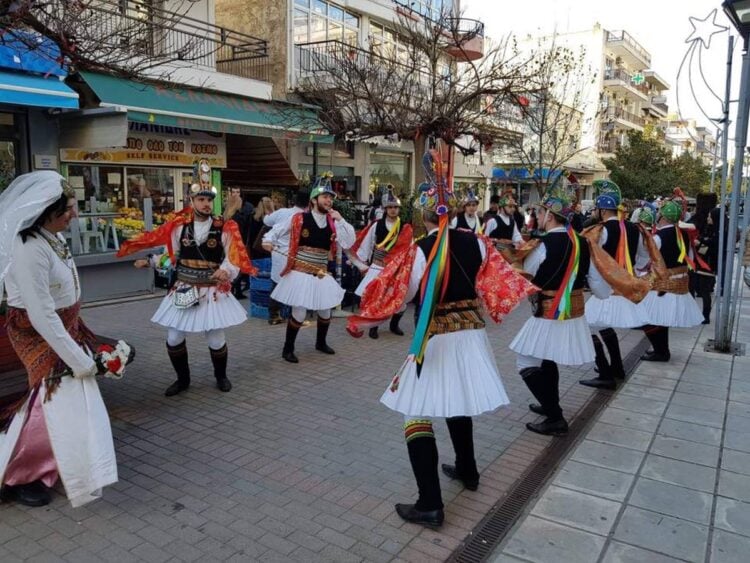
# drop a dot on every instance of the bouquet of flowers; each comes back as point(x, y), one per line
point(111, 361)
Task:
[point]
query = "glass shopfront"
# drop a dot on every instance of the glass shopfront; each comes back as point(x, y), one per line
point(390, 168)
point(122, 191)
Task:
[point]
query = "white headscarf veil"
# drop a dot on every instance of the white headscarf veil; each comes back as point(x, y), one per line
point(21, 203)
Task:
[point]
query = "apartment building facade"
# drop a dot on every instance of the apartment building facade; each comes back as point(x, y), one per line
point(302, 31)
point(626, 95)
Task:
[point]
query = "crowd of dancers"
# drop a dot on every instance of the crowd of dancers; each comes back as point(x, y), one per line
point(460, 272)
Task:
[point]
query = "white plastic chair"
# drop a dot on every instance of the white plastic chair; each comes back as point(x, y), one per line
point(87, 235)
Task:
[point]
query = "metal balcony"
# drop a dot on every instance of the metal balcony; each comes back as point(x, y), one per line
point(622, 82)
point(624, 46)
point(160, 35)
point(620, 114)
point(468, 39)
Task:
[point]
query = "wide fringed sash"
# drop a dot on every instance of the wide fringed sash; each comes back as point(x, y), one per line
point(38, 357)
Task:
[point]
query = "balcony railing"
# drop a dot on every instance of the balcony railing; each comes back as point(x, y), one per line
point(627, 40)
point(169, 36)
point(608, 145)
point(627, 78)
point(621, 114)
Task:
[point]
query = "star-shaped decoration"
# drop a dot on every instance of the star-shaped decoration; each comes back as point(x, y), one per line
point(704, 29)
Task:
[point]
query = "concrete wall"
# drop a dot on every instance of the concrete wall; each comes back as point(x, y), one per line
point(265, 19)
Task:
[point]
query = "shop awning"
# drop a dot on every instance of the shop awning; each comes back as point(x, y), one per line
point(31, 90)
point(205, 110)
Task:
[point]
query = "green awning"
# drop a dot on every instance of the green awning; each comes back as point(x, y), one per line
point(206, 110)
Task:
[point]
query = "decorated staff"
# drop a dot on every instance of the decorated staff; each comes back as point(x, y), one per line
point(60, 427)
point(669, 304)
point(377, 244)
point(623, 242)
point(557, 331)
point(208, 253)
point(450, 370)
point(305, 282)
point(468, 219)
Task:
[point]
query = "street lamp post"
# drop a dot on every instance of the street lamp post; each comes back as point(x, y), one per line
point(738, 12)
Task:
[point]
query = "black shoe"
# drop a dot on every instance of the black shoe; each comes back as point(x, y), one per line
point(395, 329)
point(431, 518)
point(549, 428)
point(224, 385)
point(599, 383)
point(325, 348)
point(706, 322)
point(31, 494)
point(655, 357)
point(373, 333)
point(175, 388)
point(450, 471)
point(240, 296)
point(537, 409)
point(290, 357)
point(275, 321)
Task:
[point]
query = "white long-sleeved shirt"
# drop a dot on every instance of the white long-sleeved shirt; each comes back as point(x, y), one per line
point(280, 215)
point(492, 225)
point(41, 283)
point(279, 237)
point(536, 257)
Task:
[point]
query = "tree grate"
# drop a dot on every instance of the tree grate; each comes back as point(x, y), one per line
point(490, 532)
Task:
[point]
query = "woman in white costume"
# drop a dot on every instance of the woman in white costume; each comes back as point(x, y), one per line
point(61, 427)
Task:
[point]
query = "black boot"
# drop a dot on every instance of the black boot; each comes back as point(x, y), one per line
point(546, 381)
point(292, 328)
point(612, 342)
point(706, 309)
point(659, 338)
point(428, 510)
point(373, 333)
point(274, 312)
point(395, 329)
point(320, 340)
point(461, 431)
point(605, 379)
point(533, 382)
point(30, 494)
point(178, 355)
point(219, 360)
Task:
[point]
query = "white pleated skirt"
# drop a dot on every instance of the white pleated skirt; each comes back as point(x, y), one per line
point(564, 342)
point(459, 377)
point(370, 275)
point(215, 310)
point(616, 312)
point(298, 289)
point(678, 311)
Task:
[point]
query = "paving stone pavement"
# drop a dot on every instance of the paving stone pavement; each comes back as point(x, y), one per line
point(298, 462)
point(662, 475)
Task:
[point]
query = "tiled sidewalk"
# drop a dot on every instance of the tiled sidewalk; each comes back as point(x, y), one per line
point(664, 473)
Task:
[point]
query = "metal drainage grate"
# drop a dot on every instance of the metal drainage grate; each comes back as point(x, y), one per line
point(488, 534)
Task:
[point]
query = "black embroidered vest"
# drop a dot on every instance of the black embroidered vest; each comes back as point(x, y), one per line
point(313, 236)
point(613, 238)
point(669, 249)
point(551, 272)
point(503, 231)
point(210, 252)
point(465, 260)
point(462, 223)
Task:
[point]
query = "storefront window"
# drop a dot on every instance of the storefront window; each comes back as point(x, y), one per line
point(102, 183)
point(156, 183)
point(8, 153)
point(390, 168)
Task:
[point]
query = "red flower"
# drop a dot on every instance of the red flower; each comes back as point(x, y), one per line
point(105, 348)
point(114, 365)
